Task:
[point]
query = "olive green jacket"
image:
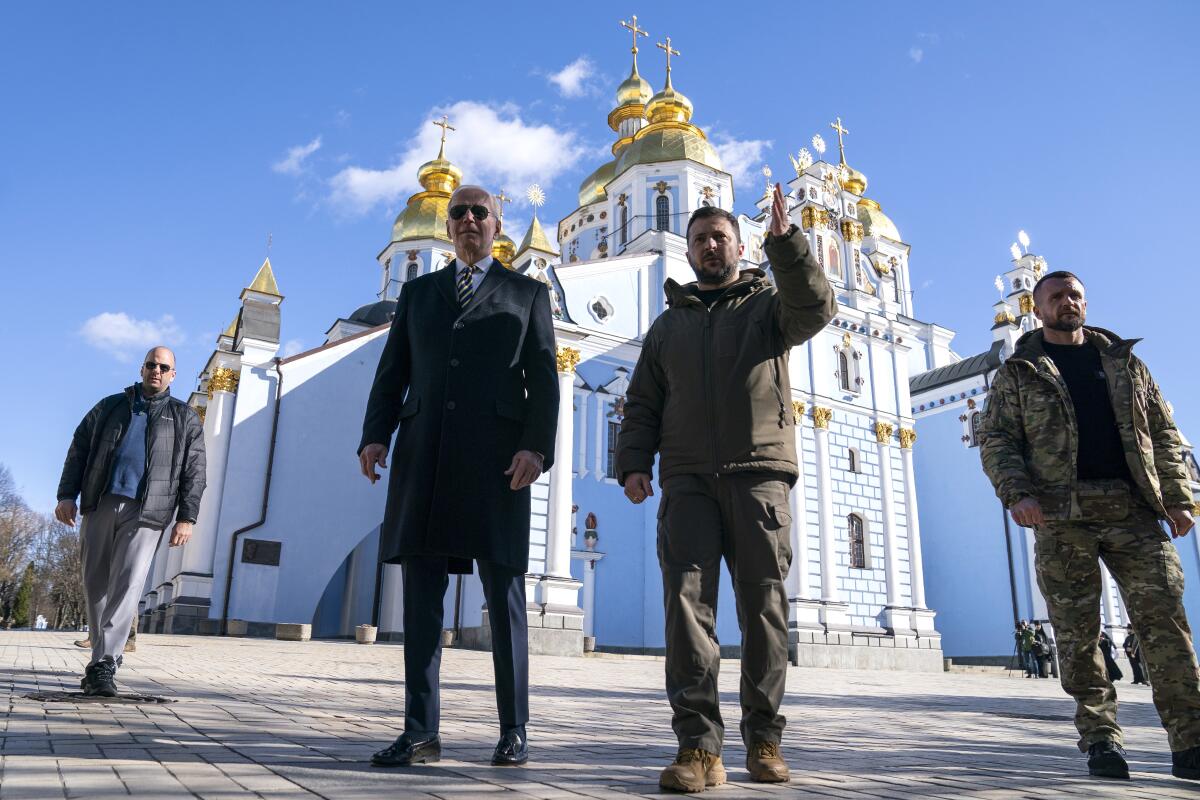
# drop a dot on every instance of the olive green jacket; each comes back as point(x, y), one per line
point(711, 393)
point(1029, 439)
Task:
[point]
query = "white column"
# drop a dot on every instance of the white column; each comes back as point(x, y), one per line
point(829, 593)
point(890, 544)
point(589, 596)
point(391, 600)
point(922, 617)
point(1106, 598)
point(557, 587)
point(805, 608)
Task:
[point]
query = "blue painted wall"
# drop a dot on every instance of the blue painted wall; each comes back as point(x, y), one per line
point(962, 539)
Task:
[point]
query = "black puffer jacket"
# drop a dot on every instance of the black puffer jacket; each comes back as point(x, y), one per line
point(174, 479)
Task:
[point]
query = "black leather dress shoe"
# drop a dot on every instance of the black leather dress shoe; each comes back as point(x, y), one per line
point(511, 751)
point(408, 750)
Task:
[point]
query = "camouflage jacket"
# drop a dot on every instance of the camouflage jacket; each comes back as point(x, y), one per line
point(1029, 440)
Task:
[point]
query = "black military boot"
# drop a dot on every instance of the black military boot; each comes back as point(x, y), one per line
point(98, 680)
point(1186, 764)
point(1107, 760)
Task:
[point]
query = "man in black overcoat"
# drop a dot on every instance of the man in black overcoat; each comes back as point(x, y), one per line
point(470, 378)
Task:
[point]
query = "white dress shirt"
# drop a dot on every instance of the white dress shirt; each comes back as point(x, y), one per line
point(481, 268)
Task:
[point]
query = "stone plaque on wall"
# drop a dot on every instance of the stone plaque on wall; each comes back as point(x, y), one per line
point(261, 551)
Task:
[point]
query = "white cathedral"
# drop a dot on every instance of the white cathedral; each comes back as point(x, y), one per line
point(288, 529)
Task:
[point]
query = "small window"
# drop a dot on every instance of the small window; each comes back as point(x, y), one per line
point(413, 266)
point(844, 377)
point(614, 429)
point(858, 542)
point(975, 420)
point(662, 213)
point(624, 224)
point(852, 457)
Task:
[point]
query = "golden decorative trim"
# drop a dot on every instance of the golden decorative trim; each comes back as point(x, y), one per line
point(201, 411)
point(1005, 316)
point(1196, 509)
point(852, 231)
point(821, 417)
point(883, 432)
point(662, 187)
point(797, 411)
point(907, 437)
point(811, 216)
point(568, 359)
point(1026, 302)
point(223, 379)
point(846, 339)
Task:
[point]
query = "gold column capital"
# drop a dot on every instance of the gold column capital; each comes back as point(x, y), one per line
point(883, 432)
point(223, 379)
point(821, 417)
point(797, 411)
point(907, 437)
point(201, 411)
point(568, 359)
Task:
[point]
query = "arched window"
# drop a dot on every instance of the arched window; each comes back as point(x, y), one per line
point(975, 419)
point(624, 224)
point(413, 266)
point(852, 457)
point(845, 379)
point(662, 213)
point(858, 542)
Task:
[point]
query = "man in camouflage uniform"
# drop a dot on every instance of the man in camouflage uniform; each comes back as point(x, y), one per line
point(1081, 447)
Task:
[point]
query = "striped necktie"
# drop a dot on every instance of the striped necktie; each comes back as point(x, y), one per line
point(466, 284)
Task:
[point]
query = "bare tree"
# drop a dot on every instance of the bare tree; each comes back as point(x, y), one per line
point(19, 526)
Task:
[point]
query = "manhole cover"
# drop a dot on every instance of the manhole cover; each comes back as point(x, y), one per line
point(80, 697)
point(1043, 717)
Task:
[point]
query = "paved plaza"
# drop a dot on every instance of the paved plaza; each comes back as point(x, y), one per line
point(261, 718)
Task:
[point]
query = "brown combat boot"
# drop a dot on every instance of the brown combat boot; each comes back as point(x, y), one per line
point(765, 763)
point(693, 771)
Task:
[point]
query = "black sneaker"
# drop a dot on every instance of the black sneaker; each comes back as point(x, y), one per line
point(98, 681)
point(1107, 760)
point(1186, 764)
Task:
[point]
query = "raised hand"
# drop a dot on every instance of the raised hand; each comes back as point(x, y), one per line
point(780, 222)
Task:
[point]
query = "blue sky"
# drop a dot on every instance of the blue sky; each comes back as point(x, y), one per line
point(149, 149)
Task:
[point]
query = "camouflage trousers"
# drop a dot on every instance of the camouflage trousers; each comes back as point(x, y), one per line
point(1146, 567)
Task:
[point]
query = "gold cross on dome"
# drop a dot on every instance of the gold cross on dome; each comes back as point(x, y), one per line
point(444, 124)
point(635, 30)
point(670, 52)
point(837, 126)
point(502, 198)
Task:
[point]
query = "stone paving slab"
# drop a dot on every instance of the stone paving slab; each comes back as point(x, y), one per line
point(269, 719)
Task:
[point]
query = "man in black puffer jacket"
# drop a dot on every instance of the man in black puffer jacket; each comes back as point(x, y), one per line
point(136, 462)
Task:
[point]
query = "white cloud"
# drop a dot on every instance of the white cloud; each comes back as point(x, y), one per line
point(290, 348)
point(742, 158)
point(125, 337)
point(493, 146)
point(917, 54)
point(572, 79)
point(293, 162)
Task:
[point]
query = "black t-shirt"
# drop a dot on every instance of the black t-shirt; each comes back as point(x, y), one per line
point(708, 296)
point(1101, 454)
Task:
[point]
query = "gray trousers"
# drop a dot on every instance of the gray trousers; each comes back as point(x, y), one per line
point(744, 519)
point(116, 552)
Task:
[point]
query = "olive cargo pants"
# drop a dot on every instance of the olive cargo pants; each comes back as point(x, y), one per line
point(743, 518)
point(1116, 526)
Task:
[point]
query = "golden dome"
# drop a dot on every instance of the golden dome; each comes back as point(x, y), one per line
point(669, 106)
point(536, 239)
point(655, 144)
point(634, 90)
point(875, 222)
point(592, 188)
point(504, 249)
point(425, 215)
point(856, 183)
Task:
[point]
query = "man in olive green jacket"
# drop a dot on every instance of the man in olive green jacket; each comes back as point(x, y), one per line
point(1080, 446)
point(711, 396)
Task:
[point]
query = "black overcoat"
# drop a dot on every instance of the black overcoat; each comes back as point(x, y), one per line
point(468, 389)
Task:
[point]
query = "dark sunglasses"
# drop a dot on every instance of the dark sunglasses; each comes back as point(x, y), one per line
point(150, 365)
point(478, 212)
